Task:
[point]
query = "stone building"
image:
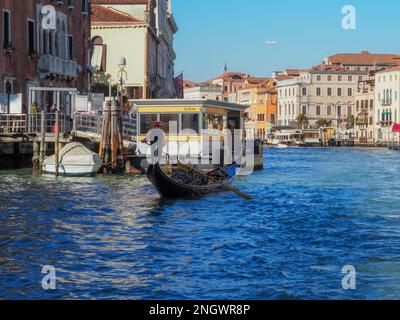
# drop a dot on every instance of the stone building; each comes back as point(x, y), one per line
point(142, 31)
point(365, 121)
point(44, 59)
point(387, 106)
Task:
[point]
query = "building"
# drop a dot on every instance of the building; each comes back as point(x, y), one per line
point(198, 91)
point(43, 66)
point(188, 124)
point(365, 121)
point(230, 82)
point(387, 103)
point(364, 61)
point(142, 31)
point(259, 95)
point(322, 95)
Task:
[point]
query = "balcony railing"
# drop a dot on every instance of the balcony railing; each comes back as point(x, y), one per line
point(386, 102)
point(49, 64)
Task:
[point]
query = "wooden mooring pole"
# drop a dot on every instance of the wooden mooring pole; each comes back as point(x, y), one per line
point(111, 141)
point(57, 143)
point(42, 140)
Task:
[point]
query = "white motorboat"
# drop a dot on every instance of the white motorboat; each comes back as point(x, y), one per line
point(74, 160)
point(282, 146)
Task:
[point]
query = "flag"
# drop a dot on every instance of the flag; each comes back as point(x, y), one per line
point(178, 82)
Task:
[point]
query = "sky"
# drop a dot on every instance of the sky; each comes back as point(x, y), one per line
point(215, 32)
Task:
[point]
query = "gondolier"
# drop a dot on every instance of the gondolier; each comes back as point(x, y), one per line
point(156, 139)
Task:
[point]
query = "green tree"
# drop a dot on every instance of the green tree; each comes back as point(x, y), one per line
point(350, 120)
point(302, 121)
point(101, 84)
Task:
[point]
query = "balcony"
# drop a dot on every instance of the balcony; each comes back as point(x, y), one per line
point(386, 102)
point(49, 64)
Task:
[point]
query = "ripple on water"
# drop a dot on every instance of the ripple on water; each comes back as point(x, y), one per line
point(314, 211)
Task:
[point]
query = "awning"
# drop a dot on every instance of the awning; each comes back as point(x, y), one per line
point(396, 128)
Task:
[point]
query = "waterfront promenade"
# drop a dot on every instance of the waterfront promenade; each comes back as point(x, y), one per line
point(314, 211)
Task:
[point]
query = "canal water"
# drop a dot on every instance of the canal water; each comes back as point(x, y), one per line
point(314, 212)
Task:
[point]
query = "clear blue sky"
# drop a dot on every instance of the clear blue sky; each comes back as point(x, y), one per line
point(213, 32)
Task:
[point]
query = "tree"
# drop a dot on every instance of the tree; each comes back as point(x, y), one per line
point(101, 84)
point(350, 120)
point(321, 123)
point(302, 121)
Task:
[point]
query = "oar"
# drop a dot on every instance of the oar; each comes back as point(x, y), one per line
point(223, 184)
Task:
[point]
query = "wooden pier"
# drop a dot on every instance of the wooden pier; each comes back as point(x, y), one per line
point(25, 140)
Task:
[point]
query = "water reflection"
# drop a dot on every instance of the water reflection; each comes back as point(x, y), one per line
point(314, 211)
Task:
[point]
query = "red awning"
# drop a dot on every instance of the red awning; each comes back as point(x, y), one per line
point(396, 127)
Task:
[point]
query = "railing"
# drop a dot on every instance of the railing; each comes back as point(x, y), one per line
point(58, 66)
point(92, 123)
point(11, 124)
point(35, 123)
point(87, 123)
point(386, 102)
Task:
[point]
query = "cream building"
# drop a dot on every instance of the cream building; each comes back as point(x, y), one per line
point(387, 111)
point(142, 31)
point(365, 121)
point(321, 93)
point(203, 91)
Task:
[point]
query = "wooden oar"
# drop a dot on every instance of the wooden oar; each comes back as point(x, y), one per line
point(223, 184)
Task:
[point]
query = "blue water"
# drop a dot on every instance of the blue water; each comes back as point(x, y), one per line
point(314, 211)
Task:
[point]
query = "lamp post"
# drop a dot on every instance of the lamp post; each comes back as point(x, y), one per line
point(121, 74)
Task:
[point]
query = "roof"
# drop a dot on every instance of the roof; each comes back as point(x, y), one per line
point(119, 1)
point(363, 58)
point(160, 103)
point(109, 16)
point(189, 84)
point(228, 76)
point(390, 69)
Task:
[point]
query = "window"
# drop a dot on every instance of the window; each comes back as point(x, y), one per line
point(31, 37)
point(135, 92)
point(339, 92)
point(339, 78)
point(329, 92)
point(318, 92)
point(168, 120)
point(70, 4)
point(71, 47)
point(318, 78)
point(84, 6)
point(191, 121)
point(329, 110)
point(304, 110)
point(318, 111)
point(6, 29)
point(357, 105)
point(350, 78)
point(304, 91)
point(339, 111)
point(147, 122)
point(329, 78)
point(350, 92)
point(349, 110)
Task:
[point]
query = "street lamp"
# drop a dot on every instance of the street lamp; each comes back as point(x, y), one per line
point(121, 74)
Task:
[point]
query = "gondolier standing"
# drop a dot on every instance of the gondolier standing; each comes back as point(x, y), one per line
point(156, 139)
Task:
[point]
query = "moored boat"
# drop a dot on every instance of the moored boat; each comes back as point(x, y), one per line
point(184, 183)
point(74, 160)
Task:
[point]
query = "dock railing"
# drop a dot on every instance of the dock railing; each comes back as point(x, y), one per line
point(91, 123)
point(13, 124)
point(35, 123)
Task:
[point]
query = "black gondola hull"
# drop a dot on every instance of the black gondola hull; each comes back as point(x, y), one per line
point(170, 188)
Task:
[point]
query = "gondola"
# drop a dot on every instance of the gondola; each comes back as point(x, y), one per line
point(178, 185)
